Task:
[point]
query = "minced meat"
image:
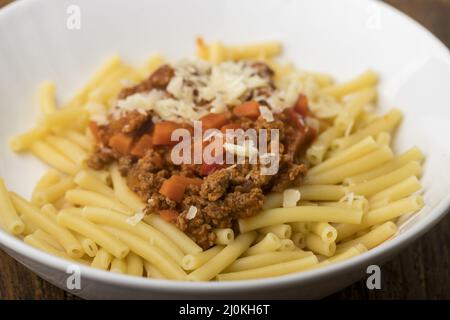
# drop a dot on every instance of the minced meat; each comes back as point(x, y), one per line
point(227, 192)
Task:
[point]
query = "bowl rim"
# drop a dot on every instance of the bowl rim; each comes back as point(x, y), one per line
point(384, 250)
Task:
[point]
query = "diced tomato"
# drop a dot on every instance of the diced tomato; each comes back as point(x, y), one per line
point(93, 126)
point(144, 144)
point(249, 109)
point(214, 120)
point(170, 216)
point(162, 132)
point(207, 169)
point(302, 105)
point(230, 126)
point(187, 181)
point(188, 127)
point(121, 143)
point(295, 118)
point(173, 189)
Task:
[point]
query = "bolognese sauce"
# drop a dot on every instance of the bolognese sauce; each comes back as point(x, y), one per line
point(136, 135)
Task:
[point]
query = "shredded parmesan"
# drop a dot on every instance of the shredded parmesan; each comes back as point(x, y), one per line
point(246, 150)
point(199, 87)
point(290, 198)
point(213, 134)
point(192, 212)
point(97, 113)
point(266, 113)
point(216, 86)
point(136, 218)
point(127, 83)
point(267, 158)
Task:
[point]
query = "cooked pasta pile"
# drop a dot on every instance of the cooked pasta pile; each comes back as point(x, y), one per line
point(350, 200)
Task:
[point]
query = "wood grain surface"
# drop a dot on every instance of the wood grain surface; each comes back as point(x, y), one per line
point(422, 271)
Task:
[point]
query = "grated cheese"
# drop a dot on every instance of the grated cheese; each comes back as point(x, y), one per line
point(97, 113)
point(199, 87)
point(266, 113)
point(221, 85)
point(246, 150)
point(136, 218)
point(192, 212)
point(290, 198)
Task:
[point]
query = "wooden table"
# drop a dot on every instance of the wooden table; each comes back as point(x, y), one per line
point(420, 272)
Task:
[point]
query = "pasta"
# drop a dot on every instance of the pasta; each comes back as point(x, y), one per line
point(119, 220)
point(316, 152)
point(42, 245)
point(89, 198)
point(286, 245)
point(88, 245)
point(53, 192)
point(49, 178)
point(398, 191)
point(299, 240)
point(368, 78)
point(382, 214)
point(324, 230)
point(67, 148)
point(51, 156)
point(67, 240)
point(153, 272)
point(372, 238)
point(90, 230)
point(347, 254)
point(118, 266)
point(300, 214)
point(269, 243)
point(356, 151)
point(123, 193)
point(223, 259)
point(135, 265)
point(8, 215)
point(317, 245)
point(302, 227)
point(90, 182)
point(224, 236)
point(282, 231)
point(265, 259)
point(30, 227)
point(338, 174)
point(150, 253)
point(357, 101)
point(93, 206)
point(78, 138)
point(387, 123)
point(271, 271)
point(39, 234)
point(181, 240)
point(47, 99)
point(380, 183)
point(25, 140)
point(192, 262)
point(413, 154)
point(102, 259)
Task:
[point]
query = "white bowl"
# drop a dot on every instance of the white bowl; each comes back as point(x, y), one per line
point(339, 37)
